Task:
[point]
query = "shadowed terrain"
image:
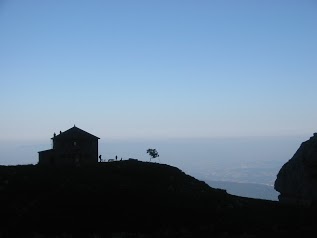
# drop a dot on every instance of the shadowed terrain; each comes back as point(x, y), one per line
point(134, 199)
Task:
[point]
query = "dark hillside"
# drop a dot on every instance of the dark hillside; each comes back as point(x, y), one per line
point(131, 198)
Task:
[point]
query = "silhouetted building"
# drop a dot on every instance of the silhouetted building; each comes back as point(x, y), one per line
point(72, 147)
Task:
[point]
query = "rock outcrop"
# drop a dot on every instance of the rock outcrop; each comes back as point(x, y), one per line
point(297, 179)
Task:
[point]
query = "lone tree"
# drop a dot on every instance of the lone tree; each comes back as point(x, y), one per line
point(153, 153)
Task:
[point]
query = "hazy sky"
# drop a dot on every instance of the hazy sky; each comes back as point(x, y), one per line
point(158, 69)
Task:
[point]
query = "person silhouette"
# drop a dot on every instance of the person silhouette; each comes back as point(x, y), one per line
point(116, 157)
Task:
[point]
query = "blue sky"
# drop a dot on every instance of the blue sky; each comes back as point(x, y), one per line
point(158, 69)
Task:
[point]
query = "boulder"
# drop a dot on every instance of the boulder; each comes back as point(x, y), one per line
point(297, 179)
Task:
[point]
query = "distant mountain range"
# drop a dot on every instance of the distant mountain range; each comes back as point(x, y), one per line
point(250, 190)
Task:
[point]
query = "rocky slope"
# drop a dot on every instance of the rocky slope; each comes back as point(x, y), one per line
point(297, 179)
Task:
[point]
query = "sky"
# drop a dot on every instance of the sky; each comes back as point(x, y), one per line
point(158, 69)
point(223, 89)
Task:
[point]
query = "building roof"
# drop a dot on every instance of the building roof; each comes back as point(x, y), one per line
point(74, 132)
point(46, 151)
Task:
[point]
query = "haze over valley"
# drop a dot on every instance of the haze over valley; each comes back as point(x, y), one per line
point(253, 160)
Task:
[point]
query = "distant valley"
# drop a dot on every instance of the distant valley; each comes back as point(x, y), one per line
point(250, 190)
